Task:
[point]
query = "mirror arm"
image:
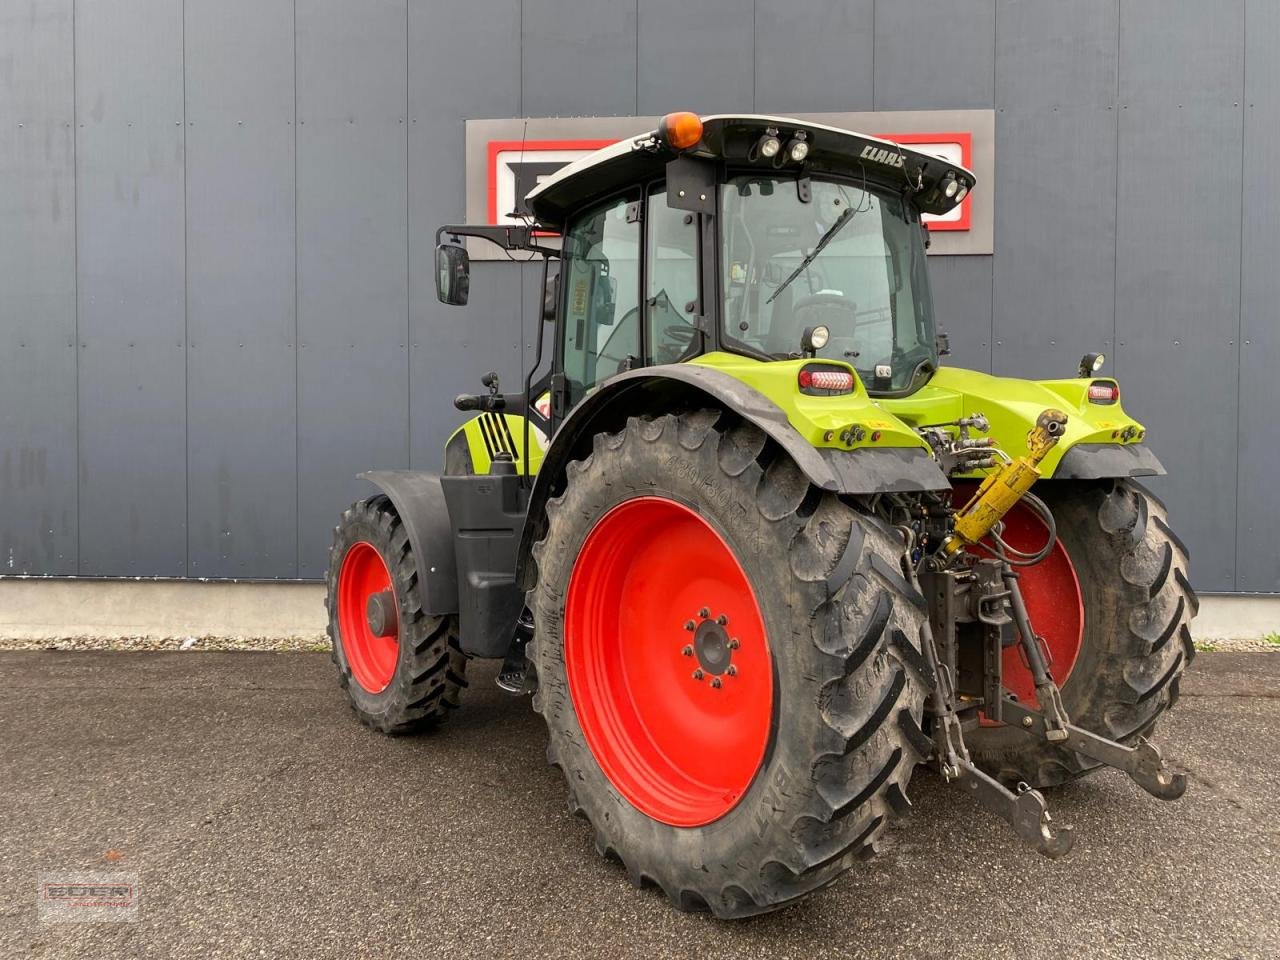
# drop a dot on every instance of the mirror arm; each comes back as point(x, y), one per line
point(506, 236)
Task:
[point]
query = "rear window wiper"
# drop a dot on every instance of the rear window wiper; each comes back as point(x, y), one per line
point(826, 238)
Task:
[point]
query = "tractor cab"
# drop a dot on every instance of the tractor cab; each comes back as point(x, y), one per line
point(768, 238)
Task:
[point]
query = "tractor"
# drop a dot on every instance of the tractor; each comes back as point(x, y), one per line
point(754, 550)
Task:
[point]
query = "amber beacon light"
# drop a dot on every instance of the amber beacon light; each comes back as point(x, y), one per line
point(681, 130)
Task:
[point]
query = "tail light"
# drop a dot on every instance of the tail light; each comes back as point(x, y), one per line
point(824, 381)
point(1103, 391)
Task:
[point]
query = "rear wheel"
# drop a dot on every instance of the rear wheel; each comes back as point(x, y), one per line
point(1114, 605)
point(729, 664)
point(401, 668)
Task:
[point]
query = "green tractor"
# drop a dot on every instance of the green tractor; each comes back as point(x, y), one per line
point(754, 551)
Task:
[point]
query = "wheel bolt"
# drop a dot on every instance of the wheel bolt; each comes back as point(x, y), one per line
point(733, 643)
point(722, 620)
point(689, 625)
point(715, 682)
point(704, 612)
point(687, 651)
point(732, 671)
point(697, 674)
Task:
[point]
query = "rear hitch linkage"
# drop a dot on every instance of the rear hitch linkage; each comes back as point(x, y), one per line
point(1023, 808)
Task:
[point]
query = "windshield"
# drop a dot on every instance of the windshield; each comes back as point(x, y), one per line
point(864, 280)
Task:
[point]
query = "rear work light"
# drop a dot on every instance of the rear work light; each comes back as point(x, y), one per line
point(822, 381)
point(1101, 391)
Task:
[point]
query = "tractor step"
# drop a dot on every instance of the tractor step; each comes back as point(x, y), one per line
point(514, 677)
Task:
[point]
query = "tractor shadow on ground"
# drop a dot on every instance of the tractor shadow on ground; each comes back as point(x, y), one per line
point(945, 833)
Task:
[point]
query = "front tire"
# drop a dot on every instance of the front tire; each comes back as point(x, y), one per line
point(401, 668)
point(742, 797)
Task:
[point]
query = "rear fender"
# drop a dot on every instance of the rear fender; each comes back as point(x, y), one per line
point(1095, 461)
point(662, 389)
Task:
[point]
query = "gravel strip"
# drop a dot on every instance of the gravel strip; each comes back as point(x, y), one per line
point(319, 641)
point(1248, 645)
point(266, 644)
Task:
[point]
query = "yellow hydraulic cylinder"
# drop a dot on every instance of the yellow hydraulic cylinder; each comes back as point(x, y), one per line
point(1004, 488)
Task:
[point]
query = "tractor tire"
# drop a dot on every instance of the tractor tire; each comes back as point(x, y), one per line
point(1136, 642)
point(405, 675)
point(729, 664)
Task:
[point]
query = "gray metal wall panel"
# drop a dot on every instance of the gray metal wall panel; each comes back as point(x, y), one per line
point(241, 373)
point(1258, 528)
point(1055, 73)
point(953, 73)
point(814, 56)
point(1050, 53)
point(445, 43)
point(38, 525)
point(1055, 259)
point(962, 304)
point(695, 56)
point(1177, 312)
point(1181, 52)
point(382, 358)
point(578, 58)
point(451, 358)
point(132, 369)
point(352, 249)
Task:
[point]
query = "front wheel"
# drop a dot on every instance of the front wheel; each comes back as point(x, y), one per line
point(401, 668)
point(729, 664)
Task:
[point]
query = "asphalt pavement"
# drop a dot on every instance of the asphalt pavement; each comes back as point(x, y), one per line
point(263, 821)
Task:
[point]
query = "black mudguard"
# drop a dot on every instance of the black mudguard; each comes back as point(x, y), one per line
point(668, 387)
point(468, 525)
point(1096, 461)
point(419, 501)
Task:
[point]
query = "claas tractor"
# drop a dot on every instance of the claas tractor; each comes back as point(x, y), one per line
point(754, 550)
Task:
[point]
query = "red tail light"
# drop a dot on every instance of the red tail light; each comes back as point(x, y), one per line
point(824, 381)
point(1102, 391)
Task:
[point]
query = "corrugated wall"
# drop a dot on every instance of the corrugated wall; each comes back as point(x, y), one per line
point(216, 223)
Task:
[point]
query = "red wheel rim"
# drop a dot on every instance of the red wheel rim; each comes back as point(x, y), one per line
point(1052, 594)
point(642, 614)
point(371, 657)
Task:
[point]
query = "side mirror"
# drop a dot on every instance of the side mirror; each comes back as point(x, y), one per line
point(453, 274)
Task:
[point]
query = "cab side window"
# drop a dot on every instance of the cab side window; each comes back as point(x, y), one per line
point(600, 283)
point(672, 281)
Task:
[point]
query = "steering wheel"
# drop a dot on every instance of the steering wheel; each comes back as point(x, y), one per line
point(682, 333)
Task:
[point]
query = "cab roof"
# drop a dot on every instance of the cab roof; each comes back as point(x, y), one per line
point(729, 138)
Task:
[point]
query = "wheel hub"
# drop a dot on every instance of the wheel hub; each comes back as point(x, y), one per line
point(713, 647)
point(380, 613)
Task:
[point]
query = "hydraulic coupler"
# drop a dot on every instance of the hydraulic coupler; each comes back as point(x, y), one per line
point(1001, 490)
